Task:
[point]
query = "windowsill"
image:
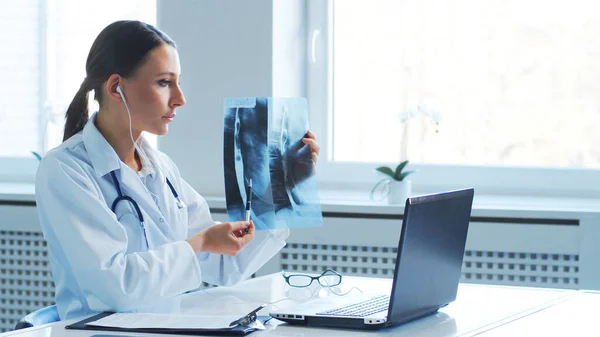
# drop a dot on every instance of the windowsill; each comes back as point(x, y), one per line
point(483, 205)
point(17, 192)
point(358, 202)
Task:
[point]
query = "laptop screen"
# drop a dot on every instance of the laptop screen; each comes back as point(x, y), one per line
point(430, 253)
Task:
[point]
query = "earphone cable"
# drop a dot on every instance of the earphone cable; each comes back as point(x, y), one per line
point(138, 148)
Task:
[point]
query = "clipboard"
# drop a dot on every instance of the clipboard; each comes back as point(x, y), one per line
point(250, 325)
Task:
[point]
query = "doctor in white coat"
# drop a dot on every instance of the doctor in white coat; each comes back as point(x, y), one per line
point(125, 232)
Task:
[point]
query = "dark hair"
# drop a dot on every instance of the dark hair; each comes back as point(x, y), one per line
point(120, 48)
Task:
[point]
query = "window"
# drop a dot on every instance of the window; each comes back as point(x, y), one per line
point(47, 42)
point(514, 86)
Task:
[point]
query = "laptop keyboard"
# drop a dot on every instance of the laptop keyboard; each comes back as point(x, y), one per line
point(361, 309)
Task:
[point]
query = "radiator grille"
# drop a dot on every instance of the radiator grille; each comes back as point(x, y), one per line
point(348, 260)
point(485, 267)
point(25, 277)
point(526, 269)
point(26, 282)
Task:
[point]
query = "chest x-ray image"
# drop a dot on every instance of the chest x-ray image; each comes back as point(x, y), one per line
point(262, 144)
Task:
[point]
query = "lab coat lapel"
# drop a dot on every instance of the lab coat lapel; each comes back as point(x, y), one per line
point(133, 186)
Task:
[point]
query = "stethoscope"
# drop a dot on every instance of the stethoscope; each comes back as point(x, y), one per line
point(123, 197)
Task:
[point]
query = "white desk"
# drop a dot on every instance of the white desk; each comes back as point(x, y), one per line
point(577, 316)
point(477, 308)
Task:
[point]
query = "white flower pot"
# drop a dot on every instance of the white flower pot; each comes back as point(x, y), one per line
point(399, 191)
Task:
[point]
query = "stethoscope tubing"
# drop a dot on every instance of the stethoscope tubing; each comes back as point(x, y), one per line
point(136, 207)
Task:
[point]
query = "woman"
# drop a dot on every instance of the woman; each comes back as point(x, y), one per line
point(125, 232)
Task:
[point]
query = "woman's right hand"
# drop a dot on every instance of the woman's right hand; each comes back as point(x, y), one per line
point(224, 238)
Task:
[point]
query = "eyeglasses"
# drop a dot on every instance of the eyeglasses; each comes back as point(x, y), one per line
point(329, 278)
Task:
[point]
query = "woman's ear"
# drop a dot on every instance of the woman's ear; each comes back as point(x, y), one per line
point(110, 87)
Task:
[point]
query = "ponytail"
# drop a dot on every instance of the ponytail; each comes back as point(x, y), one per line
point(77, 113)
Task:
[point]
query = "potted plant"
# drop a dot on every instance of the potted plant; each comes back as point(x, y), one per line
point(37, 155)
point(396, 187)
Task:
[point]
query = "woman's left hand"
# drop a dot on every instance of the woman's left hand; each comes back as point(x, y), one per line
point(311, 141)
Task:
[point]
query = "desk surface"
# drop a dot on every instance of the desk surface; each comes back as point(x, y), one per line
point(577, 316)
point(477, 308)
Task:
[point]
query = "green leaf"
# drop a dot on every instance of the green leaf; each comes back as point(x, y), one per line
point(37, 155)
point(387, 171)
point(405, 174)
point(398, 174)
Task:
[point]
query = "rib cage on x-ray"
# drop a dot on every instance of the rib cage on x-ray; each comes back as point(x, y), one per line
point(262, 142)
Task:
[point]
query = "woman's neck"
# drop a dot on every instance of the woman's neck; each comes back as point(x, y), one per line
point(116, 133)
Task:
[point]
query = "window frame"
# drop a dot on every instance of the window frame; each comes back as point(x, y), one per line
point(22, 169)
point(358, 176)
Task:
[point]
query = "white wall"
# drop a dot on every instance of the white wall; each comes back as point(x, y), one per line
point(226, 49)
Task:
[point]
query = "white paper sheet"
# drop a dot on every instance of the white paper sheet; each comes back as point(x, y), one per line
point(166, 321)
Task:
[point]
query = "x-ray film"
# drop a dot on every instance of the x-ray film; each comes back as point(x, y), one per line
point(263, 143)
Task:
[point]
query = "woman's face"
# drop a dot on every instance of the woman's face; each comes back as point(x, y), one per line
point(153, 92)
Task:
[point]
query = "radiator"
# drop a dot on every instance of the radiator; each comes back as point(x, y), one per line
point(25, 277)
point(502, 251)
point(540, 252)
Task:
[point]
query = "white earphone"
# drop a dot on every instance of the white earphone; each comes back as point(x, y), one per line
point(135, 145)
point(121, 93)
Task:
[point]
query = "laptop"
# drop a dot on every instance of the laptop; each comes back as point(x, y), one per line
point(428, 265)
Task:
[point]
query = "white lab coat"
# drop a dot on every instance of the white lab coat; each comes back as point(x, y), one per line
point(99, 259)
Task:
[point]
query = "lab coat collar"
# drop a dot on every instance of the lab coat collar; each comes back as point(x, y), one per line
point(103, 157)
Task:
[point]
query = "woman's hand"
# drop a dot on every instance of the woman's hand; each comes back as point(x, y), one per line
point(311, 141)
point(225, 238)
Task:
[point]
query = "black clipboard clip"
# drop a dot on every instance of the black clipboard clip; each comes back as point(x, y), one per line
point(248, 319)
